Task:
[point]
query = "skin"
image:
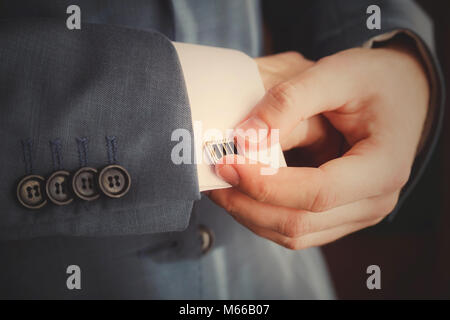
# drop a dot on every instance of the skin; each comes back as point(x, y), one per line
point(372, 103)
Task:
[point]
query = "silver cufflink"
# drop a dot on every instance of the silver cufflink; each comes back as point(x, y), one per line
point(217, 149)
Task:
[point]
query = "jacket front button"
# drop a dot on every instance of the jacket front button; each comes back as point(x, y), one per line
point(114, 181)
point(57, 188)
point(30, 192)
point(84, 184)
point(206, 238)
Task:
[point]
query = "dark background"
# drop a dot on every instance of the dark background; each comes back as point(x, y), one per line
point(413, 251)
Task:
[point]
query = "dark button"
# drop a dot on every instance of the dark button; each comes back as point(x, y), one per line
point(30, 192)
point(206, 237)
point(114, 180)
point(84, 184)
point(57, 188)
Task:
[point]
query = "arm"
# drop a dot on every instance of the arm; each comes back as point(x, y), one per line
point(91, 83)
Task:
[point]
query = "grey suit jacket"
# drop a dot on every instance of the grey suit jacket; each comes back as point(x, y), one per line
point(120, 76)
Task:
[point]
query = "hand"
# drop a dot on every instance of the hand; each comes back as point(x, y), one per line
point(375, 99)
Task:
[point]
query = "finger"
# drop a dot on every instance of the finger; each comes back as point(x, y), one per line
point(325, 86)
point(314, 239)
point(362, 173)
point(278, 68)
point(294, 223)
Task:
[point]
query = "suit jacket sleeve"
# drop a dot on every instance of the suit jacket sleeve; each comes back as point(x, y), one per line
point(323, 27)
point(60, 84)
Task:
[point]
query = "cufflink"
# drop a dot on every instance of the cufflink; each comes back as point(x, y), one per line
point(216, 150)
point(114, 181)
point(30, 192)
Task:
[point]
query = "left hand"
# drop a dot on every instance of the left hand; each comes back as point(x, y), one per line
point(375, 99)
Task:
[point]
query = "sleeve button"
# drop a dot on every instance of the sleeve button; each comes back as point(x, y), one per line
point(57, 188)
point(114, 181)
point(206, 237)
point(29, 192)
point(84, 184)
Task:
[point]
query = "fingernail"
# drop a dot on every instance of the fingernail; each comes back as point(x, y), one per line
point(259, 132)
point(228, 173)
